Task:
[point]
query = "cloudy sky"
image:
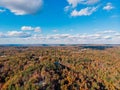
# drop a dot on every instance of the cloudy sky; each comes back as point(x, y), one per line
point(59, 22)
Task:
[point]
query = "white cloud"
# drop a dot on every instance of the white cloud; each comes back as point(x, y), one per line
point(84, 12)
point(107, 37)
point(88, 10)
point(37, 29)
point(58, 36)
point(26, 28)
point(2, 35)
point(117, 34)
point(15, 34)
point(22, 7)
point(107, 32)
point(88, 38)
point(67, 8)
point(94, 38)
point(91, 1)
point(18, 34)
point(108, 7)
point(29, 28)
point(74, 3)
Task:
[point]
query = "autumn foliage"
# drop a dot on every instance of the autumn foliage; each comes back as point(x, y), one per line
point(59, 68)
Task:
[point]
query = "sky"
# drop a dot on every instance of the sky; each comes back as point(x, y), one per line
point(59, 21)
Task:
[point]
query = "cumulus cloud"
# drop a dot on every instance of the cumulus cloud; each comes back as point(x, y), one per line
point(15, 34)
point(74, 3)
point(29, 28)
point(84, 12)
point(92, 38)
point(88, 10)
point(22, 7)
point(88, 37)
point(107, 37)
point(18, 34)
point(37, 29)
point(26, 28)
point(91, 1)
point(107, 32)
point(117, 34)
point(108, 7)
point(58, 36)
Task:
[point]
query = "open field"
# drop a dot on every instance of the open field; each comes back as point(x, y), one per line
point(71, 67)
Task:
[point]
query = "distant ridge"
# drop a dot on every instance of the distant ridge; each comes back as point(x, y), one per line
point(45, 45)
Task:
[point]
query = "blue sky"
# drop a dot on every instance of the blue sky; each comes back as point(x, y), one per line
point(59, 22)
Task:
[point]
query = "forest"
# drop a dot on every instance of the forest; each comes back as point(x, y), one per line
point(62, 67)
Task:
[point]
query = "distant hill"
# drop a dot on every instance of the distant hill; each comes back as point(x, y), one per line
point(92, 46)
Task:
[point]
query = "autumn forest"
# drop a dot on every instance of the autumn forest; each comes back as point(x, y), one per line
point(71, 67)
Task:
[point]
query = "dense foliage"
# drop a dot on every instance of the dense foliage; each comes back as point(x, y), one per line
point(59, 68)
